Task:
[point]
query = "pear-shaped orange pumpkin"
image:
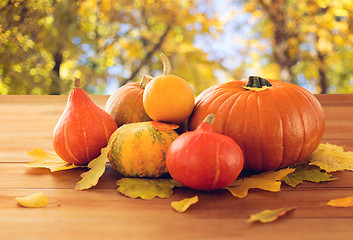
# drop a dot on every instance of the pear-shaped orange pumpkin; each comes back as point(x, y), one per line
point(83, 129)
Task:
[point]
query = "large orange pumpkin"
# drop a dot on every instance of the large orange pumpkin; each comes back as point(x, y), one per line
point(125, 104)
point(275, 123)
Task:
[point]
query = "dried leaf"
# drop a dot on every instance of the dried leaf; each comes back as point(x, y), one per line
point(97, 167)
point(306, 173)
point(341, 202)
point(33, 201)
point(266, 181)
point(332, 158)
point(183, 205)
point(268, 216)
point(146, 188)
point(51, 160)
point(164, 126)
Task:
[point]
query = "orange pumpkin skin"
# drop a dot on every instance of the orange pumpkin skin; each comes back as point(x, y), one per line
point(168, 98)
point(82, 130)
point(125, 104)
point(275, 128)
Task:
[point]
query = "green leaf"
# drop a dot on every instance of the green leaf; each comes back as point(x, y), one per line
point(306, 173)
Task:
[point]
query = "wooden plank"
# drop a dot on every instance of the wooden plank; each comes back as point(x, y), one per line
point(94, 214)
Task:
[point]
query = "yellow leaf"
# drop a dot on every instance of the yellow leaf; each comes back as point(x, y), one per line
point(33, 201)
point(267, 216)
point(146, 188)
point(97, 167)
point(183, 205)
point(43, 159)
point(332, 158)
point(341, 202)
point(269, 181)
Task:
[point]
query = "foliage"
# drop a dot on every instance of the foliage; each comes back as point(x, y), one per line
point(45, 43)
point(184, 204)
point(33, 201)
point(311, 40)
point(341, 202)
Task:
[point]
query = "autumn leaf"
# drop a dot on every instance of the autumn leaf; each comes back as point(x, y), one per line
point(97, 167)
point(306, 173)
point(269, 181)
point(183, 205)
point(341, 202)
point(50, 160)
point(146, 188)
point(332, 158)
point(268, 216)
point(33, 201)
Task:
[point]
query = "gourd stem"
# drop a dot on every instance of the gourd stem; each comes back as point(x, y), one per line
point(77, 83)
point(257, 82)
point(167, 66)
point(209, 119)
point(145, 80)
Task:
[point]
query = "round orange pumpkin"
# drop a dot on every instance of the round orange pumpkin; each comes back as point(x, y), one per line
point(275, 123)
point(168, 98)
point(125, 104)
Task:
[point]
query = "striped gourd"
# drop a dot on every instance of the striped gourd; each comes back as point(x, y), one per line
point(139, 149)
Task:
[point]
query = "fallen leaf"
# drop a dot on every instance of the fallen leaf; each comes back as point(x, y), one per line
point(96, 166)
point(341, 202)
point(183, 205)
point(33, 201)
point(146, 188)
point(269, 181)
point(268, 216)
point(51, 160)
point(306, 173)
point(332, 158)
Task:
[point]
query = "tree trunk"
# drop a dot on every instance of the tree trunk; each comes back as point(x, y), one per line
point(277, 14)
point(322, 73)
point(55, 86)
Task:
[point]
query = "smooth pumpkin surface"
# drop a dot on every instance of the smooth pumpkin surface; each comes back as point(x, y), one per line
point(83, 128)
point(139, 149)
point(203, 159)
point(125, 104)
point(275, 127)
point(168, 98)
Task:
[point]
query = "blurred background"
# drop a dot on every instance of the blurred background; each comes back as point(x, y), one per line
point(45, 44)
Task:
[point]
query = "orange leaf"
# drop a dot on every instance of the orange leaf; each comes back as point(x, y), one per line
point(341, 202)
point(163, 126)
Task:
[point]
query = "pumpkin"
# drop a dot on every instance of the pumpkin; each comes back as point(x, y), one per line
point(168, 98)
point(83, 128)
point(275, 123)
point(139, 149)
point(203, 159)
point(125, 104)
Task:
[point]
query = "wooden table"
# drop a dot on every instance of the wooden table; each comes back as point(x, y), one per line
point(27, 122)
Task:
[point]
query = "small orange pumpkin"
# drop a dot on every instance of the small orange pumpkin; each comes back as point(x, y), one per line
point(125, 104)
point(168, 98)
point(275, 123)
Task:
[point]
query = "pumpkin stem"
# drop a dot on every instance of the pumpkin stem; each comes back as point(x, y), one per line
point(257, 82)
point(167, 66)
point(209, 119)
point(77, 83)
point(145, 80)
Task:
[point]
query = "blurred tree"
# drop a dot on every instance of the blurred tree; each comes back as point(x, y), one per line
point(44, 44)
point(311, 40)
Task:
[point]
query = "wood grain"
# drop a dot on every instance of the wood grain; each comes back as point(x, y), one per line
point(27, 122)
